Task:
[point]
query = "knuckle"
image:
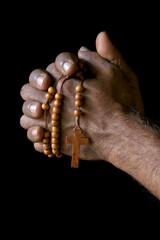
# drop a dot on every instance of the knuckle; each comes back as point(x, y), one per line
point(111, 71)
point(70, 85)
point(40, 79)
point(39, 134)
point(35, 73)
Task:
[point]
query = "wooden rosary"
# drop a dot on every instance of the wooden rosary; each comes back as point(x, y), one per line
point(51, 142)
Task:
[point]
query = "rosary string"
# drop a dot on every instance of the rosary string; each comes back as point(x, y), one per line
point(51, 141)
point(61, 91)
point(78, 117)
point(55, 85)
point(45, 116)
point(64, 80)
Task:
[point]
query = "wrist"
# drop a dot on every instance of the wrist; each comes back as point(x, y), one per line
point(111, 136)
point(125, 135)
point(134, 147)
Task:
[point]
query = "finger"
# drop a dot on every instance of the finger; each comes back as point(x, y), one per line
point(40, 79)
point(39, 147)
point(53, 71)
point(56, 75)
point(27, 122)
point(30, 93)
point(35, 134)
point(95, 62)
point(66, 63)
point(32, 109)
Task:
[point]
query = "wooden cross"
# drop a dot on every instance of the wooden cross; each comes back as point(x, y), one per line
point(76, 140)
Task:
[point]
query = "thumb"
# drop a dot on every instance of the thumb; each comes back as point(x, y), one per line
point(107, 50)
point(94, 61)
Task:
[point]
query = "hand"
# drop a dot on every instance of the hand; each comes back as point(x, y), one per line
point(113, 91)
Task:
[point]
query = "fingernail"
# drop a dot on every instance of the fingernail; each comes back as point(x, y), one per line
point(40, 80)
point(83, 49)
point(67, 66)
point(34, 132)
point(33, 108)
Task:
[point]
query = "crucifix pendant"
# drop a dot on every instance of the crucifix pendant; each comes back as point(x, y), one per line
point(77, 141)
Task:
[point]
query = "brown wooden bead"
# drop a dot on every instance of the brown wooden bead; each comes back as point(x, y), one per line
point(55, 116)
point(57, 103)
point(45, 106)
point(78, 103)
point(78, 96)
point(47, 134)
point(46, 140)
point(51, 155)
point(55, 151)
point(52, 90)
point(77, 112)
point(55, 140)
point(56, 110)
point(56, 129)
point(79, 88)
point(58, 96)
point(55, 123)
point(47, 151)
point(55, 146)
point(49, 96)
point(55, 135)
point(59, 155)
point(46, 146)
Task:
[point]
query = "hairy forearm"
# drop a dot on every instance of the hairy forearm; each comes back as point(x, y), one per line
point(135, 148)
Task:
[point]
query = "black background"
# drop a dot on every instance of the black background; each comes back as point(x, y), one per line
point(35, 36)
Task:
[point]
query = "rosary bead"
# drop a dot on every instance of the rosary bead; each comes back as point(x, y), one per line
point(51, 155)
point(55, 151)
point(55, 140)
point(52, 90)
point(55, 123)
point(49, 96)
point(57, 103)
point(56, 110)
point(78, 96)
point(55, 116)
point(56, 129)
point(55, 135)
point(55, 146)
point(45, 106)
point(46, 140)
point(77, 112)
point(58, 96)
point(47, 134)
point(59, 155)
point(47, 151)
point(79, 88)
point(46, 146)
point(78, 103)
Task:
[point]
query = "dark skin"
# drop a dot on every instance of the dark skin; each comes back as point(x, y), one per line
point(117, 135)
